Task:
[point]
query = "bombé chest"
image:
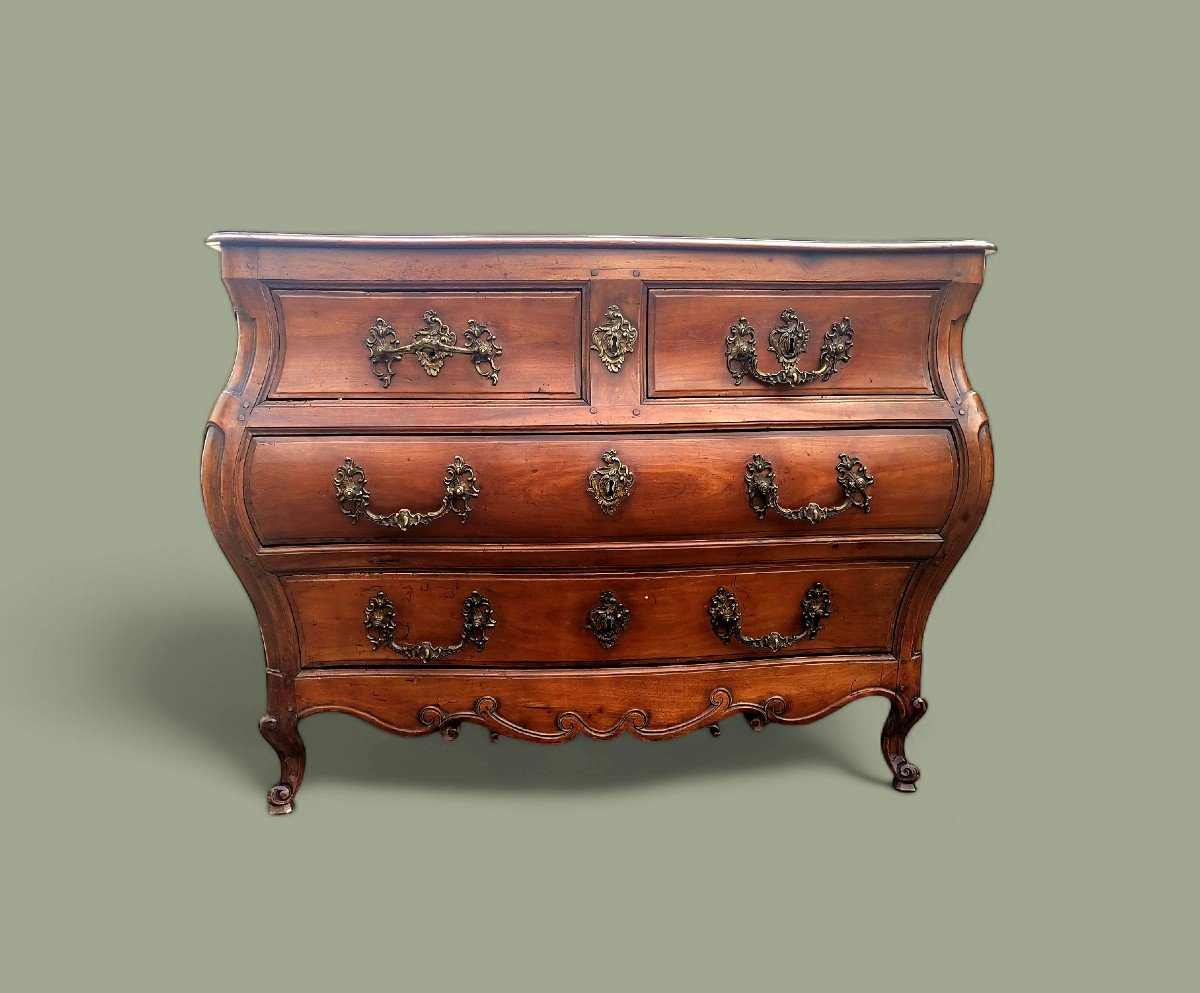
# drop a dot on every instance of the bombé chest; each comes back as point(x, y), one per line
point(560, 486)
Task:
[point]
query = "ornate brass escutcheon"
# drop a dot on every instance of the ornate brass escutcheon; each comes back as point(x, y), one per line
point(610, 482)
point(432, 345)
point(761, 488)
point(726, 619)
point(787, 343)
point(609, 620)
point(350, 487)
point(614, 339)
point(379, 621)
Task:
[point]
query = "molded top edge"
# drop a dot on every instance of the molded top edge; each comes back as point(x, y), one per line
point(581, 241)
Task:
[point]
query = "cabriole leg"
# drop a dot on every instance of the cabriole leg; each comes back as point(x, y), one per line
point(284, 736)
point(903, 715)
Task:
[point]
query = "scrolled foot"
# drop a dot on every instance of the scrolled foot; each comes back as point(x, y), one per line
point(904, 778)
point(900, 720)
point(279, 799)
point(283, 736)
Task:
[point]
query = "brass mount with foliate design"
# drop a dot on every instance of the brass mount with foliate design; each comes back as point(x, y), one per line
point(610, 482)
point(350, 488)
point(614, 339)
point(432, 345)
point(379, 620)
point(787, 343)
point(763, 491)
point(608, 620)
point(726, 619)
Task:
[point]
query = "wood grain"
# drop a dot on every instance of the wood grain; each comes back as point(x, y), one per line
point(324, 354)
point(535, 487)
point(893, 334)
point(489, 264)
point(540, 619)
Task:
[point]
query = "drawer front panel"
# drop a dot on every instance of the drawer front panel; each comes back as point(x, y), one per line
point(536, 488)
point(543, 620)
point(326, 356)
point(689, 333)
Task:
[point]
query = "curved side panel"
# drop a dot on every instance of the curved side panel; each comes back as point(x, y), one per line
point(221, 469)
point(975, 460)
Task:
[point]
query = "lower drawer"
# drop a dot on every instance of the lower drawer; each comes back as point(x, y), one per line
point(414, 619)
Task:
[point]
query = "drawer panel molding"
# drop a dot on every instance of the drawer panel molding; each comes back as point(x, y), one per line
point(404, 346)
point(703, 343)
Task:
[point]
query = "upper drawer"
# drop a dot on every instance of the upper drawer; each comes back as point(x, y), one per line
point(430, 346)
point(300, 490)
point(856, 342)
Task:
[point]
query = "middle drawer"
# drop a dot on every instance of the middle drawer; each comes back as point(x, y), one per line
point(493, 489)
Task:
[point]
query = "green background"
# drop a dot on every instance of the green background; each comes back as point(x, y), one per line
point(1052, 843)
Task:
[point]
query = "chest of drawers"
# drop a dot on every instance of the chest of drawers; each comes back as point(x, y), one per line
point(563, 486)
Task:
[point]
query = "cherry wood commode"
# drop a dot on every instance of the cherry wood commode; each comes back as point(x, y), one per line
point(563, 486)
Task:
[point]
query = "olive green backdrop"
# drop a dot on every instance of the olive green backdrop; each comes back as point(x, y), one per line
point(1051, 844)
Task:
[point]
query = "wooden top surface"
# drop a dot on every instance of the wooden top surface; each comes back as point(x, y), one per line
point(221, 238)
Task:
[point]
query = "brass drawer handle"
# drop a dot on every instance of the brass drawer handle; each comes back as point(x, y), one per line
point(350, 487)
point(852, 477)
point(432, 345)
point(380, 623)
point(726, 619)
point(787, 343)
